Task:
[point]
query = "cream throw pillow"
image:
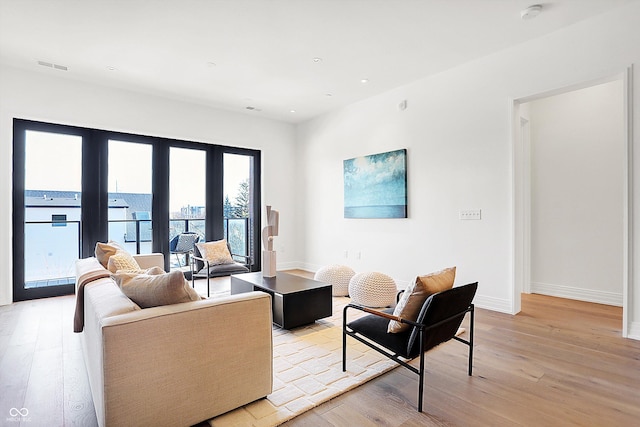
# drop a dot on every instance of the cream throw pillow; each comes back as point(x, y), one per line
point(122, 260)
point(104, 251)
point(156, 290)
point(417, 293)
point(215, 252)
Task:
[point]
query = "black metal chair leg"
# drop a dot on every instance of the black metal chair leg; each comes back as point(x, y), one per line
point(344, 340)
point(421, 374)
point(344, 351)
point(471, 323)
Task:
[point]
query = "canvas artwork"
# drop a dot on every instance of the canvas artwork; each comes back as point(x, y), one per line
point(375, 186)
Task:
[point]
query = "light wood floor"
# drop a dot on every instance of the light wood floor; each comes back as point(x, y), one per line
point(557, 363)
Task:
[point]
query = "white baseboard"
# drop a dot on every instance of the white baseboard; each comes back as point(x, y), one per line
point(634, 331)
point(493, 304)
point(292, 265)
point(306, 266)
point(589, 295)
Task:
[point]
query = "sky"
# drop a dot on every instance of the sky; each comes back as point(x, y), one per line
point(53, 162)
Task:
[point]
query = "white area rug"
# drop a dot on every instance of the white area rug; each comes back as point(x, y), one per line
point(307, 365)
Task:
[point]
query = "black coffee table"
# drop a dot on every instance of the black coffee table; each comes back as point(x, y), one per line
point(295, 300)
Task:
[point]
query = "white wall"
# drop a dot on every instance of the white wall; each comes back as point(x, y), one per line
point(577, 143)
point(458, 133)
point(46, 97)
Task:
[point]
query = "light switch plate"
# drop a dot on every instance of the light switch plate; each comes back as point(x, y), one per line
point(470, 214)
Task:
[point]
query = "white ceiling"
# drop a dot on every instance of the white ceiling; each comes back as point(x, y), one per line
point(233, 54)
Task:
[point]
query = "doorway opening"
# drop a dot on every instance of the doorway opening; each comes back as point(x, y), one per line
point(571, 194)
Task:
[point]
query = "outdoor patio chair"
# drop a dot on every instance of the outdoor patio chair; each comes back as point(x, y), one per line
point(201, 268)
point(183, 244)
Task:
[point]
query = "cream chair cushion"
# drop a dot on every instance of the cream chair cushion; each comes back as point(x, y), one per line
point(215, 252)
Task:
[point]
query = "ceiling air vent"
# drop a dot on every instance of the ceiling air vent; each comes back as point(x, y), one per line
point(52, 65)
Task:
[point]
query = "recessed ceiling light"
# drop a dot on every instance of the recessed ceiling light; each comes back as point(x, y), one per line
point(363, 81)
point(111, 68)
point(317, 59)
point(292, 111)
point(531, 12)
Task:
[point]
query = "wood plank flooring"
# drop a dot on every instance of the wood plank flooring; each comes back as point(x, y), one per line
point(557, 363)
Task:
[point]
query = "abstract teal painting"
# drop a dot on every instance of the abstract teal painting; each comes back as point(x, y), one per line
point(375, 186)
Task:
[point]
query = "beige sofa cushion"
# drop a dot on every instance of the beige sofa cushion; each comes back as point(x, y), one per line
point(155, 290)
point(106, 300)
point(146, 261)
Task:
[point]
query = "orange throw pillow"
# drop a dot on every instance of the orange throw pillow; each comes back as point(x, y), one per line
point(417, 293)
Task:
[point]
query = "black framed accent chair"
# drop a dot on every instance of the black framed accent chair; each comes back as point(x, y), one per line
point(183, 244)
point(438, 321)
point(215, 259)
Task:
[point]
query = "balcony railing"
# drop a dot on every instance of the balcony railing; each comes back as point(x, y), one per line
point(132, 234)
point(236, 232)
point(52, 247)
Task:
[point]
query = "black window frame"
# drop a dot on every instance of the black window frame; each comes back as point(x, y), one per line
point(94, 218)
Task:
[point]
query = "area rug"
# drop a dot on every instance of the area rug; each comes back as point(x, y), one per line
point(307, 365)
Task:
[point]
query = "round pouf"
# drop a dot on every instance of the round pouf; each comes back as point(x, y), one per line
point(337, 276)
point(372, 289)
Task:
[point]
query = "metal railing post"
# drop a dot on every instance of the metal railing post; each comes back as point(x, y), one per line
point(246, 237)
point(137, 236)
point(79, 223)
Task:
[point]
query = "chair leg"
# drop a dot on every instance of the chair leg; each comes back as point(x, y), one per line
point(344, 340)
point(193, 282)
point(421, 373)
point(471, 324)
